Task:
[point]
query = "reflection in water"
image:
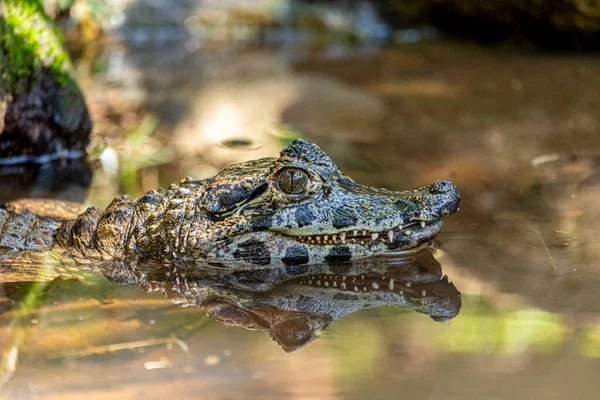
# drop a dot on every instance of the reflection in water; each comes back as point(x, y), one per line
point(295, 304)
point(62, 179)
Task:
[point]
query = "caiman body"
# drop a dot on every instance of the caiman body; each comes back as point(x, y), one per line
point(293, 210)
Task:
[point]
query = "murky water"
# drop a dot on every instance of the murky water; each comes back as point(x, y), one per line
point(517, 133)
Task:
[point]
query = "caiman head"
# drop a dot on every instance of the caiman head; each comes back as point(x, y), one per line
point(301, 209)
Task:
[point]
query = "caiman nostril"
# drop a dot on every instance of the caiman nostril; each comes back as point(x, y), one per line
point(441, 186)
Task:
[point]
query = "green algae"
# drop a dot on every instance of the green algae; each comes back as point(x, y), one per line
point(29, 42)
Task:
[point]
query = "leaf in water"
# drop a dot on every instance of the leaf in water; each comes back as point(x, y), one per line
point(239, 143)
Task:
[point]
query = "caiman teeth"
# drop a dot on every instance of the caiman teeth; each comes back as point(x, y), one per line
point(362, 283)
point(364, 237)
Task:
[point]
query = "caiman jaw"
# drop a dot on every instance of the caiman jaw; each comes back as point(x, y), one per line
point(363, 283)
point(362, 237)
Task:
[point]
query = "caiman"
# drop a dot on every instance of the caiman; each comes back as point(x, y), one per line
point(295, 304)
point(293, 210)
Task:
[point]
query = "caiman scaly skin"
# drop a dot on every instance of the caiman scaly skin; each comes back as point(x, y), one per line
point(293, 210)
point(294, 304)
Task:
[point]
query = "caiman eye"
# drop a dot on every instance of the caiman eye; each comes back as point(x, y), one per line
point(293, 180)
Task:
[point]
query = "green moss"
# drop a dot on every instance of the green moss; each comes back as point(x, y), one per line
point(28, 43)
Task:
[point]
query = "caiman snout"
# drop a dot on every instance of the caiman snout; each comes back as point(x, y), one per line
point(432, 203)
point(449, 197)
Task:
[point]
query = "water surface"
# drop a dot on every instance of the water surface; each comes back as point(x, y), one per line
point(516, 132)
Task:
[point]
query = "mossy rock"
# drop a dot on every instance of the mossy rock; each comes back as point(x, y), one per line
point(42, 110)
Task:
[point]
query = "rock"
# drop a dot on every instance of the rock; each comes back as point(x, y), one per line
point(42, 111)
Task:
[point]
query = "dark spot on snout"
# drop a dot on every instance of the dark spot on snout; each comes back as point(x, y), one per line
point(304, 216)
point(339, 253)
point(253, 251)
point(295, 255)
point(344, 217)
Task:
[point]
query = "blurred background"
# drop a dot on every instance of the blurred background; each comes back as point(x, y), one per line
point(500, 97)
